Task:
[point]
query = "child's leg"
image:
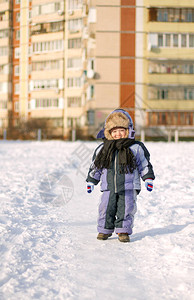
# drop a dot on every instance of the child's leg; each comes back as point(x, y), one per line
point(107, 212)
point(126, 209)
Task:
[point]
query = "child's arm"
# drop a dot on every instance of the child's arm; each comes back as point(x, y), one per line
point(94, 174)
point(143, 162)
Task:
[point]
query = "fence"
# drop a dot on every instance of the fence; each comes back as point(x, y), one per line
point(42, 129)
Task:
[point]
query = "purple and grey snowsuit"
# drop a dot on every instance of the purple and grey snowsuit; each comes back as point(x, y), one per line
point(118, 201)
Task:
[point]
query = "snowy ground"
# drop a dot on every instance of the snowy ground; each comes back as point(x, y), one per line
point(48, 244)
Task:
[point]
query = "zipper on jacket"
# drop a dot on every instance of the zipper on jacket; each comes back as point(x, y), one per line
point(115, 175)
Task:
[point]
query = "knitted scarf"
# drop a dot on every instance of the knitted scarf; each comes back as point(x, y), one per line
point(127, 162)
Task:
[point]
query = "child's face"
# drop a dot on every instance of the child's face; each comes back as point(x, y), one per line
point(118, 133)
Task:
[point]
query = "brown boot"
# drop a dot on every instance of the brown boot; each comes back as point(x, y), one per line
point(103, 236)
point(124, 237)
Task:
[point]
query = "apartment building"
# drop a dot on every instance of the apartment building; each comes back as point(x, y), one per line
point(144, 63)
point(75, 66)
point(169, 64)
point(114, 47)
point(46, 85)
point(5, 62)
point(72, 62)
point(42, 63)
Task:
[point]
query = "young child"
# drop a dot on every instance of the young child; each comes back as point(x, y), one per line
point(118, 163)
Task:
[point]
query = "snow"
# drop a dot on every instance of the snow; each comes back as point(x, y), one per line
point(48, 244)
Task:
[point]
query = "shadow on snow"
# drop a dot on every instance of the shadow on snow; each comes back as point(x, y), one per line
point(159, 231)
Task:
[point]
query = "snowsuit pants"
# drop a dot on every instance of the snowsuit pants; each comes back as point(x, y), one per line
point(116, 211)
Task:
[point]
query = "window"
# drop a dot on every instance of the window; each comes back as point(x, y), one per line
point(57, 122)
point(92, 15)
point(3, 16)
point(152, 40)
point(3, 105)
point(183, 15)
point(17, 35)
point(189, 94)
point(36, 10)
point(183, 40)
point(46, 103)
point(48, 8)
point(4, 69)
point(46, 65)
point(46, 27)
point(17, 88)
point(90, 117)
point(18, 17)
point(17, 52)
point(165, 15)
point(74, 4)
point(176, 15)
point(74, 82)
point(69, 82)
point(191, 69)
point(160, 40)
point(56, 45)
point(167, 40)
point(74, 101)
point(189, 15)
point(171, 14)
point(75, 25)
point(17, 70)
point(159, 19)
point(163, 118)
point(57, 6)
point(44, 84)
point(4, 33)
point(90, 92)
point(171, 93)
point(3, 51)
point(191, 40)
point(74, 43)
point(163, 94)
point(74, 63)
point(171, 67)
point(170, 118)
point(3, 87)
point(16, 106)
point(153, 14)
point(175, 40)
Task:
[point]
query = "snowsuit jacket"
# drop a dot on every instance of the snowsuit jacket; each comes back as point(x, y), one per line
point(112, 180)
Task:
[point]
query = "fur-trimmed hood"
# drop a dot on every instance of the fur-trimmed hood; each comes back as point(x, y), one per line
point(117, 118)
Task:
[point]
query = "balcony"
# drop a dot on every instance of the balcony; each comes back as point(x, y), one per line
point(4, 77)
point(43, 28)
point(170, 104)
point(47, 74)
point(171, 14)
point(165, 96)
point(4, 24)
point(4, 42)
point(4, 60)
point(171, 78)
point(75, 112)
point(4, 5)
